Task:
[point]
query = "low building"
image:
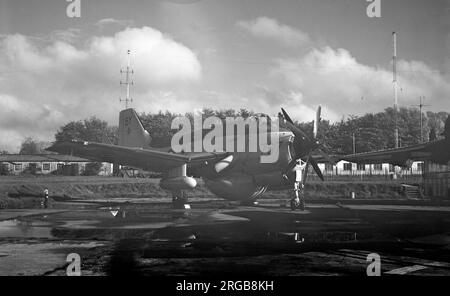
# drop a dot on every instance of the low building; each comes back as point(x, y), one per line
point(436, 180)
point(345, 168)
point(43, 164)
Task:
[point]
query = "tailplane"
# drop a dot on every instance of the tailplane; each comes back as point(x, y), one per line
point(131, 131)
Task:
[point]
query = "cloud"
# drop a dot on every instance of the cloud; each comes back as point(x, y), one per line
point(271, 29)
point(335, 78)
point(46, 84)
point(108, 22)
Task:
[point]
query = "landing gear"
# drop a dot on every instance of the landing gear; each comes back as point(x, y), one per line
point(298, 193)
point(298, 197)
point(179, 199)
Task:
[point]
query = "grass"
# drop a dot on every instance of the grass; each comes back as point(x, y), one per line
point(20, 192)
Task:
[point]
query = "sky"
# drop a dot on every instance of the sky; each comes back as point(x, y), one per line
point(190, 54)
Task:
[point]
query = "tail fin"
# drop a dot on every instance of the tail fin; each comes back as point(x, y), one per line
point(317, 122)
point(131, 130)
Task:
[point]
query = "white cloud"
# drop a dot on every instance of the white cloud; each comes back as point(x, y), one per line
point(335, 78)
point(108, 22)
point(264, 27)
point(46, 84)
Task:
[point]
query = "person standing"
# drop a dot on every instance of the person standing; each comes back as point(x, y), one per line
point(45, 198)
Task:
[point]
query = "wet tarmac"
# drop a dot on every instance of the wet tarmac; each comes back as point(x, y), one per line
point(221, 238)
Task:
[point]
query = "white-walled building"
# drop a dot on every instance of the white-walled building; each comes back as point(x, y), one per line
point(343, 168)
point(44, 164)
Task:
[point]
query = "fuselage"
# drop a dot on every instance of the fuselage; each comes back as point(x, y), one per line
point(242, 175)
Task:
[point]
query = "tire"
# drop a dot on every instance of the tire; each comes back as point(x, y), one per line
point(302, 204)
point(179, 202)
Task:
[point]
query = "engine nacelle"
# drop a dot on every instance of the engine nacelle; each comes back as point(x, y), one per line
point(235, 187)
point(178, 183)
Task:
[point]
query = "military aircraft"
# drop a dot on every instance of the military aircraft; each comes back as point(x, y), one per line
point(437, 151)
point(235, 176)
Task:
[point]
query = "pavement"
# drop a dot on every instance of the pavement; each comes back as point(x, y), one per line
point(217, 237)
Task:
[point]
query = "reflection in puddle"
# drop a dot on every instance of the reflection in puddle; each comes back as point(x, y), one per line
point(28, 229)
point(320, 237)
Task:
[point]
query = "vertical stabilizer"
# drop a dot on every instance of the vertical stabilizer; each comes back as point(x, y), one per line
point(131, 130)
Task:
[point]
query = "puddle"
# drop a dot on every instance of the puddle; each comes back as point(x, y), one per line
point(25, 229)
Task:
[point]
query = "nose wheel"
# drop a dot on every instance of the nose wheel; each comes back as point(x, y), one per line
point(298, 197)
point(298, 193)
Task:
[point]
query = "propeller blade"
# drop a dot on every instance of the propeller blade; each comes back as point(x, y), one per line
point(305, 172)
point(291, 165)
point(317, 121)
point(297, 132)
point(316, 168)
point(326, 156)
point(286, 116)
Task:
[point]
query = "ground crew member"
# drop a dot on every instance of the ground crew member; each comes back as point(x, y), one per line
point(45, 198)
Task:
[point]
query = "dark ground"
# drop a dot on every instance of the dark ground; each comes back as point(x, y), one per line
point(219, 238)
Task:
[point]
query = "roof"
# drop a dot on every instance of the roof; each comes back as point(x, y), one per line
point(40, 158)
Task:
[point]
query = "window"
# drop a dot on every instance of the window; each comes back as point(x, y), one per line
point(328, 167)
point(361, 167)
point(378, 167)
point(18, 167)
point(347, 166)
point(420, 166)
point(46, 167)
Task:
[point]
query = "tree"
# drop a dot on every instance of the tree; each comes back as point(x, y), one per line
point(432, 136)
point(92, 129)
point(31, 146)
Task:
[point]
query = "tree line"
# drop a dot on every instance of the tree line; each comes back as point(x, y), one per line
point(369, 132)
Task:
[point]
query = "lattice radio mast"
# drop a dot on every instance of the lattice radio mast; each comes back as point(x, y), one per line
point(421, 105)
point(394, 82)
point(128, 82)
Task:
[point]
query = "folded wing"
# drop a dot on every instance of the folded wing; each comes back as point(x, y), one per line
point(437, 151)
point(149, 159)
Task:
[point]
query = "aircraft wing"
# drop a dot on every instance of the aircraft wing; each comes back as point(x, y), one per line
point(146, 159)
point(436, 151)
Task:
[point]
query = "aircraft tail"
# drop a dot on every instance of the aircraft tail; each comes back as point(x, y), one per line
point(131, 131)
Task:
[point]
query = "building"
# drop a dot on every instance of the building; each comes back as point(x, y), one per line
point(436, 180)
point(345, 168)
point(43, 164)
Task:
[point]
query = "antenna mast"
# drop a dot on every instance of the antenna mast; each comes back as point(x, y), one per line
point(394, 82)
point(128, 82)
point(421, 123)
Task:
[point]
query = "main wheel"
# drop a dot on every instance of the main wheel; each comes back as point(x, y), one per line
point(179, 202)
point(295, 204)
point(302, 204)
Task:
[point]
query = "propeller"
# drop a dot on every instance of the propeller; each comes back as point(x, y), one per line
point(305, 146)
